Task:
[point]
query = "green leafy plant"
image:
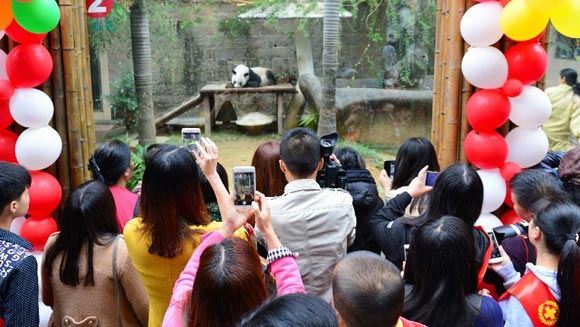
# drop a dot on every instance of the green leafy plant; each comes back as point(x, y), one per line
point(309, 119)
point(123, 100)
point(138, 158)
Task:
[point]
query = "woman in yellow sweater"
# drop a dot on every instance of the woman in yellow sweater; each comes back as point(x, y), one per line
point(174, 217)
point(563, 127)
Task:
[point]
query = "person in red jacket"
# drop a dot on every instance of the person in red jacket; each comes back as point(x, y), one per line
point(368, 291)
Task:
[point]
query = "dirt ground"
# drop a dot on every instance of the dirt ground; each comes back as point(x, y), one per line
point(236, 149)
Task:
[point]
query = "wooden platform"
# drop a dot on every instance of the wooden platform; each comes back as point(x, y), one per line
point(210, 90)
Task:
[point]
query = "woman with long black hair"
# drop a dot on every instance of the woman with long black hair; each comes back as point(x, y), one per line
point(441, 274)
point(87, 275)
point(549, 293)
point(458, 191)
point(414, 154)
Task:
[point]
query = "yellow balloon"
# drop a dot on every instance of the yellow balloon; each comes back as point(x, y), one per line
point(566, 18)
point(520, 22)
point(543, 5)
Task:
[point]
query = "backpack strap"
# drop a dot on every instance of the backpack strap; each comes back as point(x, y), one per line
point(116, 280)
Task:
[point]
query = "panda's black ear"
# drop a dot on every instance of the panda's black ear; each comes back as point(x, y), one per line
point(233, 71)
point(246, 74)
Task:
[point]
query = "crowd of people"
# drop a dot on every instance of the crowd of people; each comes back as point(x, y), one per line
point(176, 251)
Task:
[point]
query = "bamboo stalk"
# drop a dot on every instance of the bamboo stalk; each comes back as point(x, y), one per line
point(436, 127)
point(71, 92)
point(60, 110)
point(91, 142)
point(80, 72)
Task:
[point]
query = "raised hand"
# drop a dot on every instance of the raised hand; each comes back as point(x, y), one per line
point(417, 187)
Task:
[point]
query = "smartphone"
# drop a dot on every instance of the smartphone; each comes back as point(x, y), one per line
point(406, 250)
point(244, 185)
point(495, 253)
point(389, 166)
point(190, 137)
point(431, 178)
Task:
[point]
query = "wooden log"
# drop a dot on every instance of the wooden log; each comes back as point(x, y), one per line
point(436, 120)
point(179, 110)
point(87, 82)
point(71, 81)
point(78, 40)
point(58, 100)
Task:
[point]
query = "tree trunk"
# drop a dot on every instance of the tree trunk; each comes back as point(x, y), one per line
point(141, 46)
point(330, 40)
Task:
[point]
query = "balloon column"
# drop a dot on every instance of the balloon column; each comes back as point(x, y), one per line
point(506, 90)
point(27, 66)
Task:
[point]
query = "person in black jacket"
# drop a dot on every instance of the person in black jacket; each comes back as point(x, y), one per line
point(365, 198)
point(457, 192)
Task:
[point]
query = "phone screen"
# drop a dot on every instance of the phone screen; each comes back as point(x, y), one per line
point(495, 254)
point(190, 139)
point(245, 188)
point(389, 166)
point(431, 178)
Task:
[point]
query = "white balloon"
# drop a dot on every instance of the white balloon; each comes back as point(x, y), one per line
point(38, 148)
point(31, 107)
point(480, 26)
point(527, 146)
point(3, 57)
point(494, 189)
point(485, 67)
point(488, 221)
point(531, 108)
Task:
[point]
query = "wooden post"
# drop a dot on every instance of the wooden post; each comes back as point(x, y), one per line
point(208, 114)
point(447, 101)
point(280, 110)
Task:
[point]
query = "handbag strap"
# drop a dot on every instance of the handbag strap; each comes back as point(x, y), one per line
point(117, 292)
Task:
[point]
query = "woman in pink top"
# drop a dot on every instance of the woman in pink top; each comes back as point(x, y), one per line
point(111, 164)
point(223, 280)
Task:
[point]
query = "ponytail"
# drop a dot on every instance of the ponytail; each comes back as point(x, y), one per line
point(560, 225)
point(110, 161)
point(570, 77)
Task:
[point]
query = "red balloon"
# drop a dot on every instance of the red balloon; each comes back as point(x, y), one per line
point(20, 35)
point(45, 194)
point(512, 87)
point(510, 217)
point(5, 117)
point(28, 65)
point(486, 150)
point(487, 110)
point(36, 230)
point(8, 146)
point(509, 170)
point(527, 62)
point(508, 196)
point(6, 90)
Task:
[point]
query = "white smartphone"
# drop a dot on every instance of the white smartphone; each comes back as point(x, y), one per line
point(244, 185)
point(495, 253)
point(406, 250)
point(190, 137)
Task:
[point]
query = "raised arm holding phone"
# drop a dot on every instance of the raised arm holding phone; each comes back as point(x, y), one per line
point(223, 280)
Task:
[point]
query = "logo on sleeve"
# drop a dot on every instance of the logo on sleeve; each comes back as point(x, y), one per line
point(548, 312)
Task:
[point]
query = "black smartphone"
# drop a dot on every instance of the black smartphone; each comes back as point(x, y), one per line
point(431, 178)
point(244, 185)
point(389, 167)
point(495, 253)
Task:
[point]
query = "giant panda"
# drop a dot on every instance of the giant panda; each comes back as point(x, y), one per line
point(244, 76)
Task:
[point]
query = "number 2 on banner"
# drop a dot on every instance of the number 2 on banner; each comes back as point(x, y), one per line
point(96, 8)
point(99, 8)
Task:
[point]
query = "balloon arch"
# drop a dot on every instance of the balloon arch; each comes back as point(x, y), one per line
point(488, 57)
point(46, 119)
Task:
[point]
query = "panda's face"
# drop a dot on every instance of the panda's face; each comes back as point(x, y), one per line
point(240, 76)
